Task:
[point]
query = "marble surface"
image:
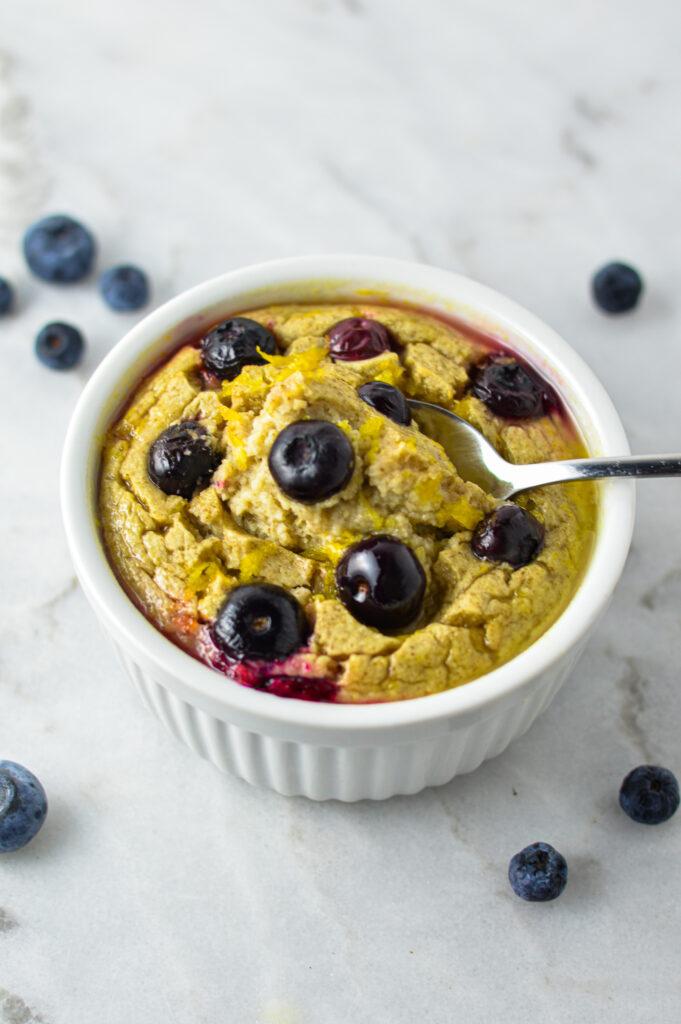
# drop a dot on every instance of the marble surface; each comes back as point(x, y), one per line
point(521, 144)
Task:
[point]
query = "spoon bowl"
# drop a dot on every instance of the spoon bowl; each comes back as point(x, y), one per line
point(477, 461)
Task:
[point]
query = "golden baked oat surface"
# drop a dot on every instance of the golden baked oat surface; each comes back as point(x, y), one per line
point(180, 557)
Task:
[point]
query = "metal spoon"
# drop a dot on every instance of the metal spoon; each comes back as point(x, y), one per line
point(476, 460)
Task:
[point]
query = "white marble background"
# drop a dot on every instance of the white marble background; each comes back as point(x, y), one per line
point(523, 144)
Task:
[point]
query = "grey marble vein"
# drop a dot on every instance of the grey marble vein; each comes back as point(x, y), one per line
point(24, 181)
point(633, 688)
point(14, 1010)
point(7, 922)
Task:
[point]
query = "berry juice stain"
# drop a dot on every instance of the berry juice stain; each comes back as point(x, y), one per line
point(270, 676)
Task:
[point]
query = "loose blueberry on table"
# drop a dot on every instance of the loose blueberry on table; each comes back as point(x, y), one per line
point(260, 621)
point(59, 249)
point(59, 346)
point(509, 534)
point(381, 582)
point(124, 288)
point(358, 338)
point(182, 458)
point(538, 873)
point(23, 806)
point(310, 460)
point(649, 794)
point(616, 288)
point(6, 296)
point(387, 400)
point(234, 344)
point(511, 390)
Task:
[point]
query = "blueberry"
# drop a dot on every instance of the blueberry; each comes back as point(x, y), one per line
point(616, 287)
point(6, 296)
point(124, 288)
point(538, 873)
point(649, 794)
point(260, 621)
point(509, 534)
point(59, 346)
point(512, 390)
point(311, 460)
point(381, 582)
point(59, 249)
point(183, 458)
point(234, 344)
point(23, 806)
point(358, 338)
point(386, 399)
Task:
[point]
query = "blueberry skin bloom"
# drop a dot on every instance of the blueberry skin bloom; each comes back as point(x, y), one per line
point(381, 582)
point(6, 296)
point(234, 344)
point(538, 873)
point(259, 621)
point(23, 806)
point(59, 346)
point(124, 288)
point(59, 249)
point(310, 460)
point(616, 288)
point(649, 794)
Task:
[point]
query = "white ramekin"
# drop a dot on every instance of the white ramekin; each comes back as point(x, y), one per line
point(326, 751)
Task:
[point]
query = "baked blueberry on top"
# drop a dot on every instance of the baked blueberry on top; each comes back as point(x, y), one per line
point(381, 582)
point(358, 338)
point(386, 399)
point(182, 458)
point(311, 460)
point(261, 622)
point(510, 389)
point(236, 343)
point(271, 506)
point(509, 534)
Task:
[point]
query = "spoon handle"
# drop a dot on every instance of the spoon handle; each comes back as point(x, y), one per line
point(595, 469)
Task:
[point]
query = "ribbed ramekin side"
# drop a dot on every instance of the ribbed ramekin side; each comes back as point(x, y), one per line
point(347, 773)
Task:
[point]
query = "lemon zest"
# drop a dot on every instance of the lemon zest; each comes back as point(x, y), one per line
point(392, 374)
point(427, 489)
point(460, 511)
point(201, 576)
point(333, 549)
point(251, 564)
point(376, 517)
point(305, 362)
point(370, 431)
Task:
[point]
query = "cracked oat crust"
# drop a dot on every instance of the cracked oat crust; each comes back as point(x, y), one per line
point(178, 559)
